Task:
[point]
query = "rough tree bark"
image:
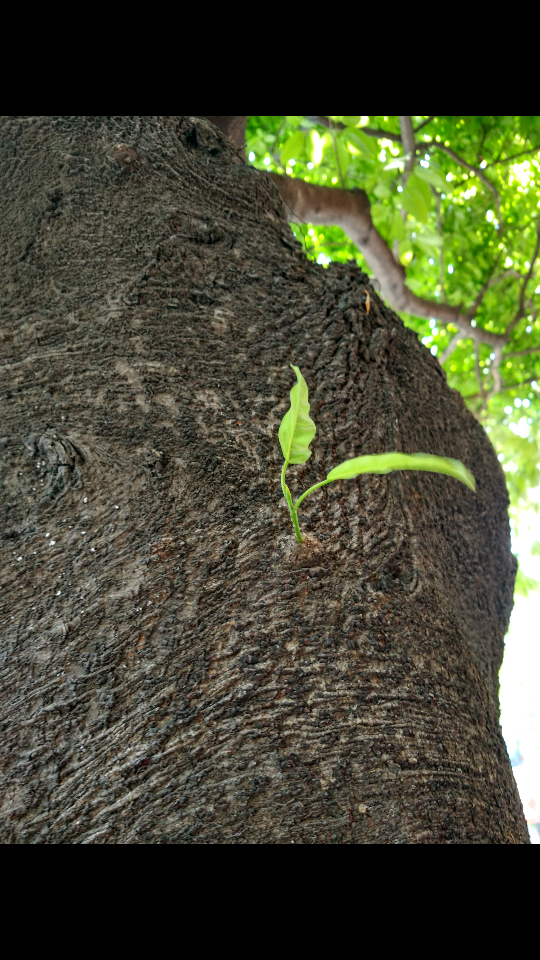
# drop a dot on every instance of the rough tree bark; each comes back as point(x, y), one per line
point(174, 667)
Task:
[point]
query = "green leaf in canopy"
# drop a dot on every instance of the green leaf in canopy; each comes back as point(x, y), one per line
point(524, 584)
point(432, 176)
point(351, 121)
point(297, 428)
point(398, 232)
point(293, 147)
point(405, 251)
point(386, 462)
point(381, 191)
point(343, 154)
point(366, 145)
point(416, 198)
point(315, 145)
point(380, 214)
point(429, 243)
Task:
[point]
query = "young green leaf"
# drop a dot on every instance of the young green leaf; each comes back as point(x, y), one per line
point(382, 191)
point(293, 147)
point(430, 175)
point(386, 462)
point(398, 232)
point(430, 243)
point(343, 154)
point(416, 198)
point(297, 428)
point(367, 146)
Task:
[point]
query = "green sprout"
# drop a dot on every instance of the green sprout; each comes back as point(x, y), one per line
point(297, 431)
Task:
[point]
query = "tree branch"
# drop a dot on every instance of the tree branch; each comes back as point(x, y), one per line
point(424, 123)
point(350, 210)
point(505, 386)
point(409, 146)
point(521, 353)
point(506, 273)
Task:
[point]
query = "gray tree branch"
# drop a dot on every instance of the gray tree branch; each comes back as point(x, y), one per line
point(350, 210)
point(423, 124)
point(408, 144)
point(521, 353)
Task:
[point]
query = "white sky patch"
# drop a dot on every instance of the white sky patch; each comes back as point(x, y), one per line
point(520, 172)
point(520, 674)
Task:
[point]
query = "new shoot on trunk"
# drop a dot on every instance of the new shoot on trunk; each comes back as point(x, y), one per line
point(297, 431)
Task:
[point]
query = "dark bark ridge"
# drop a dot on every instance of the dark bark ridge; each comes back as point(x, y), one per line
point(173, 669)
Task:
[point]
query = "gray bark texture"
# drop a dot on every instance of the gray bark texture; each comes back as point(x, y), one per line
point(175, 668)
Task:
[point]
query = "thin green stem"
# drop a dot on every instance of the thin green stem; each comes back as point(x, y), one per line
point(296, 527)
point(293, 508)
point(284, 487)
point(288, 497)
point(311, 489)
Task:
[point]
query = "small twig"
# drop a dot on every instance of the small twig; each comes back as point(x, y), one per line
point(505, 387)
point(506, 273)
point(370, 132)
point(522, 153)
point(381, 134)
point(521, 353)
point(409, 146)
point(423, 124)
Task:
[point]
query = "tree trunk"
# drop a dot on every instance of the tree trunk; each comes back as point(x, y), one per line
point(175, 668)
